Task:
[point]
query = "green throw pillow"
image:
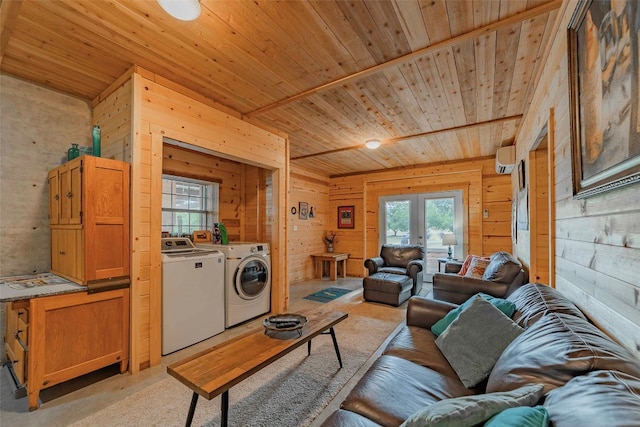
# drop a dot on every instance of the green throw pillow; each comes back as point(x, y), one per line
point(522, 416)
point(474, 341)
point(507, 307)
point(469, 411)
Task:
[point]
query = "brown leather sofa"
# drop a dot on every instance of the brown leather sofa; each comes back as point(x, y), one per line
point(588, 378)
point(406, 260)
point(503, 275)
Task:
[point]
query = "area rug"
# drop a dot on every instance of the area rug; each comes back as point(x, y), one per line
point(327, 295)
point(290, 392)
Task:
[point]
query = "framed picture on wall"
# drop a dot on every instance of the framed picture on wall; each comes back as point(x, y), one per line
point(604, 58)
point(346, 217)
point(303, 210)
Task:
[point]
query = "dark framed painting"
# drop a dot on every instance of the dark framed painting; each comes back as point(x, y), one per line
point(346, 217)
point(303, 210)
point(604, 59)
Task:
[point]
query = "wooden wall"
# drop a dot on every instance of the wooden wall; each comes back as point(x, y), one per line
point(241, 188)
point(597, 240)
point(305, 236)
point(481, 186)
point(162, 109)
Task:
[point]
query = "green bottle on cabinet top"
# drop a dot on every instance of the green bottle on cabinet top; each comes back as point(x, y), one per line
point(96, 140)
point(73, 152)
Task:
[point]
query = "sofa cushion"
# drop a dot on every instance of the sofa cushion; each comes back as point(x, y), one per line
point(477, 267)
point(555, 349)
point(534, 301)
point(393, 389)
point(502, 268)
point(521, 416)
point(599, 398)
point(475, 340)
point(419, 346)
point(507, 307)
point(472, 410)
point(401, 255)
point(393, 270)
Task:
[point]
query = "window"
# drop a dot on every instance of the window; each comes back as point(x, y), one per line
point(188, 205)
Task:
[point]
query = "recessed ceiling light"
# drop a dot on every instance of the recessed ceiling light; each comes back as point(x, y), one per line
point(184, 10)
point(372, 144)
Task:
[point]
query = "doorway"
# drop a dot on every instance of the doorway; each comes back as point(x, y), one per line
point(426, 219)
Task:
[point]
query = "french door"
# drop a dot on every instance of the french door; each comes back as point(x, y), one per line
point(424, 219)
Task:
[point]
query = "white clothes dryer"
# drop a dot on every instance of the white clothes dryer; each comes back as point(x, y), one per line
point(247, 279)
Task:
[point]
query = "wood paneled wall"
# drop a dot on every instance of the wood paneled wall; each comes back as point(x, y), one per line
point(597, 240)
point(161, 109)
point(481, 186)
point(305, 236)
point(242, 188)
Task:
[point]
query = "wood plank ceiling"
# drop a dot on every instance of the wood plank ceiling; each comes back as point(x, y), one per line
point(433, 80)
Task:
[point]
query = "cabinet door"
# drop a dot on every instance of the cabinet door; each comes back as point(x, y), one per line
point(54, 197)
point(67, 254)
point(106, 218)
point(70, 180)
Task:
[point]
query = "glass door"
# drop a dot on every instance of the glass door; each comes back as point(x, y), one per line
point(441, 220)
point(426, 219)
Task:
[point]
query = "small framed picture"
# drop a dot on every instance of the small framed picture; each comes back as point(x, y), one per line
point(303, 210)
point(346, 217)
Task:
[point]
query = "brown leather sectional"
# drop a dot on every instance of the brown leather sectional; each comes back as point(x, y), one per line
point(588, 378)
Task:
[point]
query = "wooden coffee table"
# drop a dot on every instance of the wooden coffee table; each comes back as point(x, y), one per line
point(215, 370)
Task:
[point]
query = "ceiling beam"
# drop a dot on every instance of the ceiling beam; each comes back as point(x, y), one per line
point(9, 11)
point(415, 135)
point(454, 41)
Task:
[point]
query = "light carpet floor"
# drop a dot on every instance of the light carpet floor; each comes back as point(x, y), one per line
point(290, 392)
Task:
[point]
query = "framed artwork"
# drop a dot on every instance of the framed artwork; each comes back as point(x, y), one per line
point(604, 58)
point(522, 213)
point(521, 176)
point(346, 217)
point(303, 210)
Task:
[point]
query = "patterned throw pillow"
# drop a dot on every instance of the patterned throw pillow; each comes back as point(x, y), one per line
point(477, 267)
point(465, 265)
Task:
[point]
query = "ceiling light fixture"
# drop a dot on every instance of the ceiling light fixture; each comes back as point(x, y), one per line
point(372, 144)
point(184, 10)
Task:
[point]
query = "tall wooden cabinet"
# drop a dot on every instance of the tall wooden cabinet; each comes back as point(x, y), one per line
point(89, 217)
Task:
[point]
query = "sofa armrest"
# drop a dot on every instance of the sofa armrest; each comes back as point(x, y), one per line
point(373, 264)
point(457, 289)
point(424, 312)
point(414, 267)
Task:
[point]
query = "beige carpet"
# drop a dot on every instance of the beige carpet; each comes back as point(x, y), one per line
point(290, 392)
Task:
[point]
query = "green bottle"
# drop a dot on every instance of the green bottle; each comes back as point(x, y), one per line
point(95, 133)
point(73, 152)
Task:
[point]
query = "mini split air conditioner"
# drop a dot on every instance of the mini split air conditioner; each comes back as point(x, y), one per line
point(505, 159)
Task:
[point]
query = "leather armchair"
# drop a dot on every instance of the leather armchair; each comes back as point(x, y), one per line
point(503, 275)
point(399, 259)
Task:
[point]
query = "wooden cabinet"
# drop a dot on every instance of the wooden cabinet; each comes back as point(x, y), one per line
point(89, 217)
point(17, 337)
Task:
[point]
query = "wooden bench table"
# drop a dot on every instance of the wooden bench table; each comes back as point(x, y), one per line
point(214, 371)
point(333, 260)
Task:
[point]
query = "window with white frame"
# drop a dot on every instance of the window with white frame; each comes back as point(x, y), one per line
point(188, 205)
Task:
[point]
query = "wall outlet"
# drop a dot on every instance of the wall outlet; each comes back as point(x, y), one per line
point(295, 228)
point(485, 213)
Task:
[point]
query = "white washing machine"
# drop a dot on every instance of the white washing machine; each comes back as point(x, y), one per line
point(247, 278)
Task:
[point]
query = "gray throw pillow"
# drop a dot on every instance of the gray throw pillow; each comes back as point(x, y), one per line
point(472, 410)
point(475, 340)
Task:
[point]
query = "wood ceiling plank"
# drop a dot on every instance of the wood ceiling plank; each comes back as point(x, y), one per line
point(507, 41)
point(465, 63)
point(447, 71)
point(485, 55)
point(9, 11)
point(404, 90)
point(413, 26)
point(436, 20)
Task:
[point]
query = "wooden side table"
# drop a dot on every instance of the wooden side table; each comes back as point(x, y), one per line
point(333, 260)
point(444, 261)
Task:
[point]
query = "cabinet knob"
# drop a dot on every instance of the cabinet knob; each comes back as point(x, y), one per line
point(56, 197)
point(69, 194)
point(63, 253)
